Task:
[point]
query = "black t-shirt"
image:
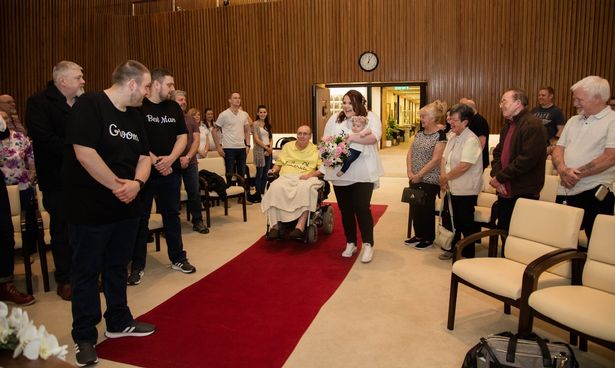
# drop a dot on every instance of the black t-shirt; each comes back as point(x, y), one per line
point(119, 138)
point(479, 126)
point(551, 117)
point(164, 121)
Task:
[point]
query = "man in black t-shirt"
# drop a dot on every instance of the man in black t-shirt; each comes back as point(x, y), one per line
point(106, 163)
point(552, 116)
point(167, 136)
point(480, 127)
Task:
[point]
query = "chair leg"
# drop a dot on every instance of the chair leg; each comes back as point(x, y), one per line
point(225, 206)
point(243, 204)
point(157, 239)
point(583, 344)
point(574, 339)
point(452, 302)
point(526, 320)
point(28, 270)
point(506, 308)
point(42, 253)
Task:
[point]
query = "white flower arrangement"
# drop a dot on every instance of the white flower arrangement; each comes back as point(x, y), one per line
point(19, 334)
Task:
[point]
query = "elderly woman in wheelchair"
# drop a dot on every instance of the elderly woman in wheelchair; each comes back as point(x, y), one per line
point(296, 194)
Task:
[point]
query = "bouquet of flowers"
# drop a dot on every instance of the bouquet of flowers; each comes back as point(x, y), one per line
point(334, 150)
point(19, 334)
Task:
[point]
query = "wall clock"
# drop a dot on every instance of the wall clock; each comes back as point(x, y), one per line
point(368, 61)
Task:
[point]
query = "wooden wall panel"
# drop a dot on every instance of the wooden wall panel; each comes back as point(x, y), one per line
point(272, 52)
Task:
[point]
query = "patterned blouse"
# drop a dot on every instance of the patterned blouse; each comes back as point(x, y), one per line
point(16, 158)
point(422, 152)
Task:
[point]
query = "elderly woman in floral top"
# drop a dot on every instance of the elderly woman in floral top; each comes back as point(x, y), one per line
point(17, 165)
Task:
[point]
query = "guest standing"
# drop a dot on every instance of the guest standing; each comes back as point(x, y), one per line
point(261, 131)
point(461, 173)
point(354, 189)
point(423, 163)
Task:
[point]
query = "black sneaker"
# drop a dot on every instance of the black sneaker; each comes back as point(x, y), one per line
point(135, 277)
point(136, 329)
point(85, 354)
point(424, 244)
point(200, 227)
point(184, 267)
point(412, 241)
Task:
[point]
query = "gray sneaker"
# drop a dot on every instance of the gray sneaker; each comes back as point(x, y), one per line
point(200, 227)
point(85, 354)
point(445, 256)
point(184, 267)
point(135, 277)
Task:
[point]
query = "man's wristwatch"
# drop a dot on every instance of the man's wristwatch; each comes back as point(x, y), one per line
point(188, 157)
point(141, 183)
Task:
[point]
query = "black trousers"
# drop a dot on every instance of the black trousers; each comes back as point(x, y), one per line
point(463, 218)
point(354, 203)
point(7, 240)
point(423, 214)
point(58, 228)
point(592, 206)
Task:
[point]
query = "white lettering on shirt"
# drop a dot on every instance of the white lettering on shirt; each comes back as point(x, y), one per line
point(114, 131)
point(160, 119)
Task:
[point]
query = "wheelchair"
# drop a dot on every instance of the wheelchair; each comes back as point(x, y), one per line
point(322, 217)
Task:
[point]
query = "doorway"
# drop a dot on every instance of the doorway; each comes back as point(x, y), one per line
point(396, 103)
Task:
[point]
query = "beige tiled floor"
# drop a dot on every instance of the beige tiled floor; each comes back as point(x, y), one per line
point(389, 313)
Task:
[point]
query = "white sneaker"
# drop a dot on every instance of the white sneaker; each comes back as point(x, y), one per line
point(350, 250)
point(368, 253)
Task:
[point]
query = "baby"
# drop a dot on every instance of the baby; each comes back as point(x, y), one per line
point(359, 126)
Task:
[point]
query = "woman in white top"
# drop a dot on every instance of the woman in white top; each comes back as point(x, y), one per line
point(353, 190)
point(206, 144)
point(461, 173)
point(261, 131)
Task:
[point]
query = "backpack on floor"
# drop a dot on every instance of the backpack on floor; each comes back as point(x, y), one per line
point(508, 350)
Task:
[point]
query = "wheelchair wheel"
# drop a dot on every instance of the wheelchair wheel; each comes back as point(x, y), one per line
point(312, 234)
point(327, 219)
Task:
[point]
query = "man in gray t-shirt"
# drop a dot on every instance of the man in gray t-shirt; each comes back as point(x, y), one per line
point(234, 124)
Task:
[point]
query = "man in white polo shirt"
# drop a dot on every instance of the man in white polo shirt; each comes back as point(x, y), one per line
point(585, 153)
point(234, 145)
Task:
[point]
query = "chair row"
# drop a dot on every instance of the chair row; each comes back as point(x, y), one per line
point(542, 273)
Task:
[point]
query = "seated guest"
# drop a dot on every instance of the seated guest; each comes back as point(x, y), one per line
point(295, 192)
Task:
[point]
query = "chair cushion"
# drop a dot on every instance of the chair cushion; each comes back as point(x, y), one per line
point(482, 214)
point(599, 272)
point(501, 276)
point(233, 190)
point(582, 308)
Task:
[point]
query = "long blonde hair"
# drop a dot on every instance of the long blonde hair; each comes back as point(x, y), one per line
point(436, 110)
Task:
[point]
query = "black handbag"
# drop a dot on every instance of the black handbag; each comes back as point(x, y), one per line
point(413, 195)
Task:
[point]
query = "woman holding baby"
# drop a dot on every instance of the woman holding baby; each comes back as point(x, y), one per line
point(353, 188)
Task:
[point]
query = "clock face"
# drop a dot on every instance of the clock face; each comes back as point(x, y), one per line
point(368, 61)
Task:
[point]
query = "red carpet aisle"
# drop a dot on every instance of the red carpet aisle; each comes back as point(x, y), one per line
point(251, 312)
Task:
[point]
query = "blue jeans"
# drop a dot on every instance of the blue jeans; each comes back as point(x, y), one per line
point(234, 162)
point(190, 175)
point(100, 249)
point(166, 190)
point(58, 229)
point(261, 176)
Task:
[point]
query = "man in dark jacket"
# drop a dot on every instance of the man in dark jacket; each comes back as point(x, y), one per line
point(46, 115)
point(518, 166)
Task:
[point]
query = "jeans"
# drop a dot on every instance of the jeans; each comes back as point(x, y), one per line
point(234, 162)
point(354, 202)
point(190, 175)
point(166, 190)
point(100, 250)
point(58, 228)
point(261, 176)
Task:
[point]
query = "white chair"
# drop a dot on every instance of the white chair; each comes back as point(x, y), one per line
point(19, 228)
point(549, 189)
point(484, 203)
point(587, 308)
point(216, 165)
point(537, 228)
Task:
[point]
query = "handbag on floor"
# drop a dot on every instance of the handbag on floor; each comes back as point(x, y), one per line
point(444, 236)
point(508, 350)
